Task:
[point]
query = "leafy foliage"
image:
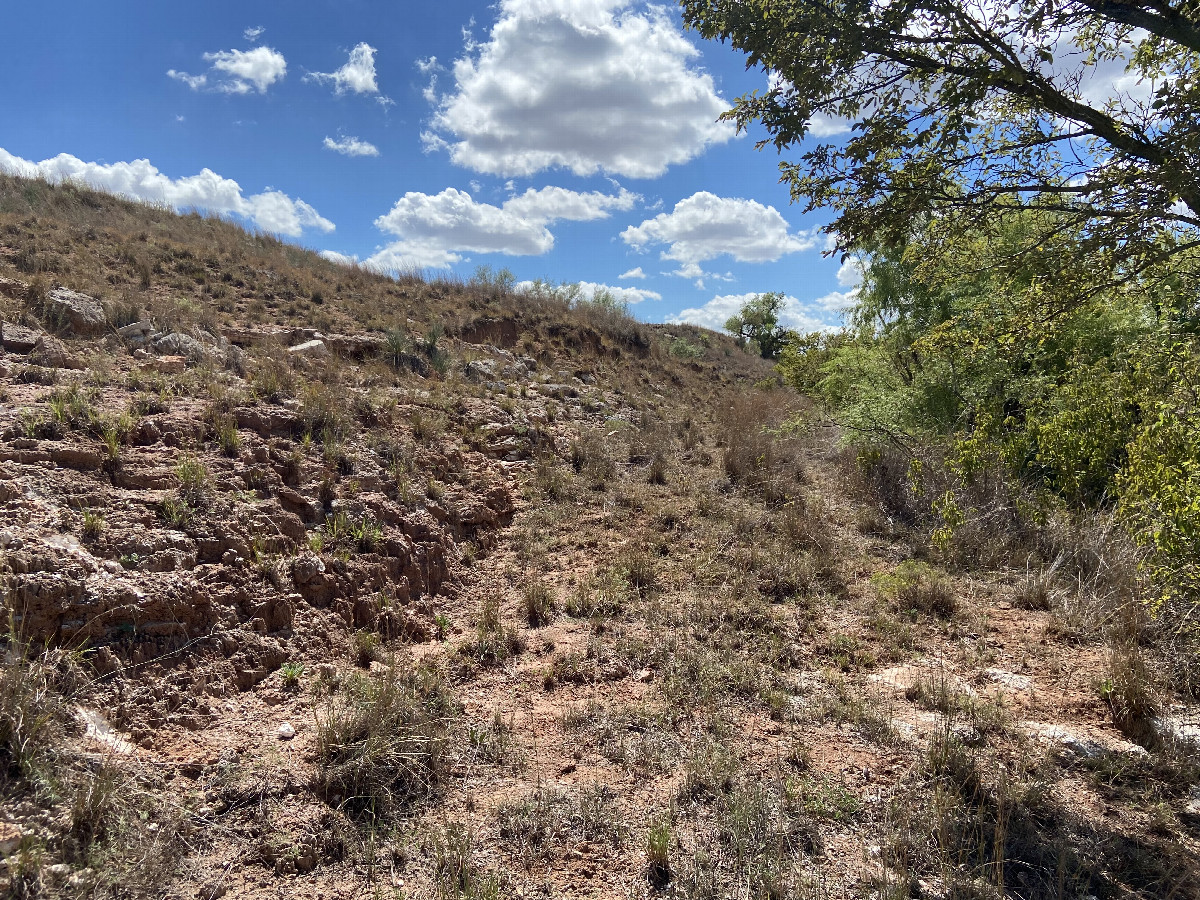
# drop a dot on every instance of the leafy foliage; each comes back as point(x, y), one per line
point(757, 324)
point(965, 113)
point(1090, 400)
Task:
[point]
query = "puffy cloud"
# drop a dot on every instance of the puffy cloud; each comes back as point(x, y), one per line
point(624, 294)
point(586, 85)
point(351, 146)
point(238, 71)
point(550, 203)
point(253, 33)
point(812, 316)
point(632, 273)
point(248, 70)
point(341, 259)
point(589, 289)
point(357, 75)
point(271, 210)
point(705, 226)
point(435, 229)
point(850, 274)
point(823, 126)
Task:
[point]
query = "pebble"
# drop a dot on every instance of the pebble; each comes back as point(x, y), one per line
point(286, 731)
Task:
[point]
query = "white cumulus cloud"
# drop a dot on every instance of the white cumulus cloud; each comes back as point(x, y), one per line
point(812, 316)
point(253, 33)
point(704, 226)
point(341, 259)
point(850, 274)
point(351, 146)
point(589, 289)
point(586, 85)
point(632, 273)
point(238, 71)
point(356, 76)
point(435, 229)
point(271, 210)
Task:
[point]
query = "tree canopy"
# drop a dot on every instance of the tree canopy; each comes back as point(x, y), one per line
point(960, 112)
point(758, 322)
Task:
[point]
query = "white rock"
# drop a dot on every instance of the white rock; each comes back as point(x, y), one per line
point(286, 731)
point(309, 348)
point(1010, 679)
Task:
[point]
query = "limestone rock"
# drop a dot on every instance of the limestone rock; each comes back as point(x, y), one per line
point(81, 314)
point(137, 334)
point(314, 347)
point(176, 344)
point(18, 338)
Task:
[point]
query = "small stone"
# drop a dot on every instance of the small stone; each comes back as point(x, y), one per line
point(10, 838)
point(286, 731)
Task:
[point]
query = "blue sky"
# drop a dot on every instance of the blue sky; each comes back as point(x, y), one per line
point(569, 140)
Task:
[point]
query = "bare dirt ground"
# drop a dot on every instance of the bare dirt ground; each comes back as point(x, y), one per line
point(536, 606)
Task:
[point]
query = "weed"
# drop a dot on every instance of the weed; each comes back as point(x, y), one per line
point(603, 594)
point(538, 602)
point(93, 523)
point(457, 876)
point(365, 648)
point(30, 708)
point(175, 511)
point(491, 742)
point(658, 470)
point(658, 853)
point(290, 672)
point(381, 742)
point(551, 480)
point(367, 535)
point(193, 478)
point(917, 587)
point(228, 437)
point(494, 641)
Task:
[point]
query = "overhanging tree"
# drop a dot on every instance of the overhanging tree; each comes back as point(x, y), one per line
point(962, 111)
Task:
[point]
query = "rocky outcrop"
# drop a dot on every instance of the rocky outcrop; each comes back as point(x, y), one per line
point(76, 313)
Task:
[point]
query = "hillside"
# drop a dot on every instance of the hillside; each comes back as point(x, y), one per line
point(325, 584)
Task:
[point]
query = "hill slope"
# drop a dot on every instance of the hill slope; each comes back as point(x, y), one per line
point(325, 584)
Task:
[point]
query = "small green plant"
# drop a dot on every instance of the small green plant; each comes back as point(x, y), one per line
point(539, 603)
point(658, 853)
point(683, 349)
point(114, 432)
point(396, 347)
point(93, 523)
point(494, 641)
point(193, 478)
point(227, 435)
point(365, 648)
point(30, 708)
point(175, 511)
point(367, 535)
point(441, 625)
point(290, 672)
point(916, 586)
point(658, 470)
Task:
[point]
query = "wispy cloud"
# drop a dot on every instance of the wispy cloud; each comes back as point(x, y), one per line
point(351, 146)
